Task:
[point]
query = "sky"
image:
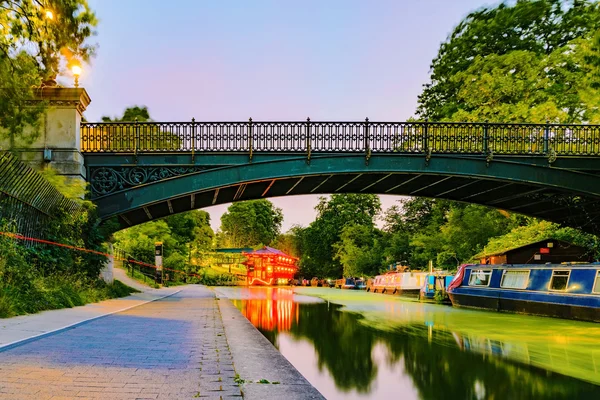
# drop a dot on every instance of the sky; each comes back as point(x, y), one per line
point(269, 60)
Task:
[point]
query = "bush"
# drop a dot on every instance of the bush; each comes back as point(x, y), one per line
point(6, 309)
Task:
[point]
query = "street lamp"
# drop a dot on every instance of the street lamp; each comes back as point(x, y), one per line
point(76, 70)
point(49, 14)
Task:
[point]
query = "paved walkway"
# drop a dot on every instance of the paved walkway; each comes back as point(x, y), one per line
point(174, 348)
point(24, 327)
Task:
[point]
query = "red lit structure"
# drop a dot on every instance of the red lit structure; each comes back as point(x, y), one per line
point(269, 266)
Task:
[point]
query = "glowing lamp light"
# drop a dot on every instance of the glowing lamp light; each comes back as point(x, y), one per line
point(76, 70)
point(49, 14)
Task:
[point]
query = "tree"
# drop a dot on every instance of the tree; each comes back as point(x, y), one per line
point(360, 250)
point(138, 241)
point(250, 223)
point(125, 137)
point(500, 61)
point(38, 39)
point(289, 242)
point(319, 238)
point(192, 227)
point(535, 230)
point(133, 113)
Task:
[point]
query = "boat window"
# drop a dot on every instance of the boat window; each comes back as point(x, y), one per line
point(597, 283)
point(515, 279)
point(559, 280)
point(480, 277)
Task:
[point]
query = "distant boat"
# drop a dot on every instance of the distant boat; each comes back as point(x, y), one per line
point(345, 283)
point(555, 290)
point(396, 282)
point(360, 284)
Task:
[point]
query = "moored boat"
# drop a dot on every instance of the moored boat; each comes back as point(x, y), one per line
point(436, 282)
point(360, 284)
point(400, 283)
point(345, 283)
point(555, 290)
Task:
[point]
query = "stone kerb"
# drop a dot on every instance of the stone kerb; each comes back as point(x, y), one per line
point(58, 142)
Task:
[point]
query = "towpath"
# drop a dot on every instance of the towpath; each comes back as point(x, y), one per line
point(176, 347)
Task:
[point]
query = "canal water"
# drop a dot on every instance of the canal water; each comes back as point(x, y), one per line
point(358, 345)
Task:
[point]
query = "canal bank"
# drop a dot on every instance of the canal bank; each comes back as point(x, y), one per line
point(355, 345)
point(189, 344)
point(264, 373)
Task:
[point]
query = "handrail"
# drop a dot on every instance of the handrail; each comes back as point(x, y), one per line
point(309, 137)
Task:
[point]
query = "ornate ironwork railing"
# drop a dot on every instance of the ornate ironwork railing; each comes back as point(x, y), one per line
point(27, 200)
point(351, 137)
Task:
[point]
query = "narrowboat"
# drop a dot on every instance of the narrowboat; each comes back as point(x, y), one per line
point(345, 283)
point(435, 282)
point(401, 283)
point(360, 284)
point(554, 290)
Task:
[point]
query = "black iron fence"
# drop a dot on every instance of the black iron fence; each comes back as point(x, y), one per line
point(27, 200)
point(352, 137)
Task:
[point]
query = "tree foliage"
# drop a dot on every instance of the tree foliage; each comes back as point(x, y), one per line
point(250, 223)
point(320, 237)
point(133, 113)
point(181, 235)
point(37, 42)
point(533, 61)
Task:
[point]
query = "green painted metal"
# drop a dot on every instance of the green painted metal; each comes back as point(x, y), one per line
point(512, 182)
point(141, 171)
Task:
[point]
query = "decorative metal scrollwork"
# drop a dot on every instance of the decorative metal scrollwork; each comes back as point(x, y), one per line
point(107, 180)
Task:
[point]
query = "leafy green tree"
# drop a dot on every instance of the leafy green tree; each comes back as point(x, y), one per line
point(133, 113)
point(138, 241)
point(360, 250)
point(192, 227)
point(535, 230)
point(524, 60)
point(319, 238)
point(130, 136)
point(250, 223)
point(289, 242)
point(37, 40)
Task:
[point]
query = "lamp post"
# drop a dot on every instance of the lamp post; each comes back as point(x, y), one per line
point(76, 70)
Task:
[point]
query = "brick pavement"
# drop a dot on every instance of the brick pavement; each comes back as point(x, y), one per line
point(174, 348)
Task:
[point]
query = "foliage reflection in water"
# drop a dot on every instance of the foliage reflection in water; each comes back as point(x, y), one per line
point(383, 347)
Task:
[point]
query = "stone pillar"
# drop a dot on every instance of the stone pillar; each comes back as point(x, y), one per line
point(58, 142)
point(107, 272)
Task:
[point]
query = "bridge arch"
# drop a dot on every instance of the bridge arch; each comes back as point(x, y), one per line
point(567, 193)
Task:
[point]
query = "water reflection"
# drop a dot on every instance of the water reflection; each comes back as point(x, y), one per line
point(403, 349)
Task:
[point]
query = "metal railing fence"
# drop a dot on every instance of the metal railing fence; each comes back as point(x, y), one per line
point(27, 200)
point(349, 137)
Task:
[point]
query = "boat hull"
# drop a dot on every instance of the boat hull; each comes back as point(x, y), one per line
point(530, 307)
point(395, 291)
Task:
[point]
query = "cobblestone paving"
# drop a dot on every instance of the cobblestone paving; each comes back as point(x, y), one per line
point(173, 348)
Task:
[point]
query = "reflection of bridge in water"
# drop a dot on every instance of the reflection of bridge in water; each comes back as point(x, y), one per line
point(142, 171)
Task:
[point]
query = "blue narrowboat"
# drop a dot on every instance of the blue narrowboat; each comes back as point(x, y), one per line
point(555, 290)
point(434, 282)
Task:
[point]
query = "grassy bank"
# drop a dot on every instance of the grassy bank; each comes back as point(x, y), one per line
point(53, 292)
point(43, 278)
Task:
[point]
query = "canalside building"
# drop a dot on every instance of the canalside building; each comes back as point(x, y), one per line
point(541, 252)
point(269, 266)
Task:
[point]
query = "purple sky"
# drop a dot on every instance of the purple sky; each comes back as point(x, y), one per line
point(269, 60)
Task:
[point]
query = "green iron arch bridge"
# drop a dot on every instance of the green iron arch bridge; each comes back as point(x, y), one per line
point(143, 171)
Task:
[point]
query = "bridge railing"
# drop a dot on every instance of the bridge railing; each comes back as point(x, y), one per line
point(351, 137)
